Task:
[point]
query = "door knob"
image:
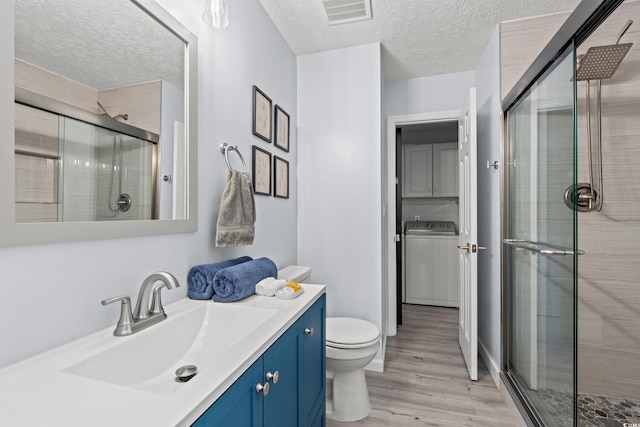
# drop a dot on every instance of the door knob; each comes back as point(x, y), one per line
point(308, 331)
point(471, 248)
point(263, 388)
point(273, 376)
point(466, 247)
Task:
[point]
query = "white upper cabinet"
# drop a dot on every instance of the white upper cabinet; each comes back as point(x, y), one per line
point(430, 170)
point(418, 179)
point(445, 170)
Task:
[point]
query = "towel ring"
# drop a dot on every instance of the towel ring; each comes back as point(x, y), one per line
point(225, 148)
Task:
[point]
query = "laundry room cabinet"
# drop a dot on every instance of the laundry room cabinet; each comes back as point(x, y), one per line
point(430, 170)
point(294, 369)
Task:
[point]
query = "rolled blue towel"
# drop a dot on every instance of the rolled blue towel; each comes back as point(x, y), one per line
point(238, 282)
point(200, 277)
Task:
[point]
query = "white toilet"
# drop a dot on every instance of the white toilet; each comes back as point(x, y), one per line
point(350, 345)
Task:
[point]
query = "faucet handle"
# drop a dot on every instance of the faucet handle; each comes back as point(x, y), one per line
point(156, 301)
point(126, 317)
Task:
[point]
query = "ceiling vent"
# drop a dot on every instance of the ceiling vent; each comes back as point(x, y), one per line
point(344, 11)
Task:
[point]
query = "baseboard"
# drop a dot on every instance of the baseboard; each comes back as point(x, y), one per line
point(376, 365)
point(491, 364)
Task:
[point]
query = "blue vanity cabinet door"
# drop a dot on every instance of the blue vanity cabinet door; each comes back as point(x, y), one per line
point(280, 406)
point(312, 357)
point(320, 420)
point(240, 405)
point(297, 399)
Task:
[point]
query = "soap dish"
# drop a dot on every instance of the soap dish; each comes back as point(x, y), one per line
point(281, 294)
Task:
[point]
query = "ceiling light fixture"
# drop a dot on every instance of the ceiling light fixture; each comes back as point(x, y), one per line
point(216, 13)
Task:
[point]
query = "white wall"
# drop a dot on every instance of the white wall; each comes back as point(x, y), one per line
point(50, 294)
point(428, 94)
point(339, 234)
point(489, 133)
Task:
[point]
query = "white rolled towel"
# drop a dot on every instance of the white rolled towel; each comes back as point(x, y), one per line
point(268, 287)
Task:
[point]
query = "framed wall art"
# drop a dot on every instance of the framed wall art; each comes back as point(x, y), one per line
point(281, 177)
point(281, 136)
point(261, 171)
point(261, 114)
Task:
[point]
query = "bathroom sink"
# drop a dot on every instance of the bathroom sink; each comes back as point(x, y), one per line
point(148, 360)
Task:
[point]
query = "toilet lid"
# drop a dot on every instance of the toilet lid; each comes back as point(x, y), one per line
point(346, 332)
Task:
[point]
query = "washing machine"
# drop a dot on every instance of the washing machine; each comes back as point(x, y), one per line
point(430, 255)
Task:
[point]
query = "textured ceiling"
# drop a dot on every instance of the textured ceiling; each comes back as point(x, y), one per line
point(101, 44)
point(419, 37)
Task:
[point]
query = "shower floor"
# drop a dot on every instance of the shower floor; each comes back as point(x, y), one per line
point(593, 411)
point(604, 411)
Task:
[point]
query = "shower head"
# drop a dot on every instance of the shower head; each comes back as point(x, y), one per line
point(601, 62)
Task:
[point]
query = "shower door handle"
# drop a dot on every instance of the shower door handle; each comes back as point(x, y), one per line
point(541, 248)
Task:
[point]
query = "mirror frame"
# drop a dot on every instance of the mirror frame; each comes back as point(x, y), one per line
point(19, 234)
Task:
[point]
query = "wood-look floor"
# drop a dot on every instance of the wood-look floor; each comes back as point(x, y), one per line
point(426, 383)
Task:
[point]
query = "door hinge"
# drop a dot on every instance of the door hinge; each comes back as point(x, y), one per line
point(397, 181)
point(396, 238)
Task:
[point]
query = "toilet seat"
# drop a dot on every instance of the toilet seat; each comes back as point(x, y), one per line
point(349, 333)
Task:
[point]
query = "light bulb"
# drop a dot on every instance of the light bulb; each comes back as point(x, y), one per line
point(216, 13)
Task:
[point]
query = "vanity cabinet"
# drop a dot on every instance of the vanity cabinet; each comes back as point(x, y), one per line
point(296, 398)
point(430, 170)
point(312, 358)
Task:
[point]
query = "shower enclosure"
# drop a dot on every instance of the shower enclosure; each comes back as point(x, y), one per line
point(540, 244)
point(571, 323)
point(105, 175)
point(73, 165)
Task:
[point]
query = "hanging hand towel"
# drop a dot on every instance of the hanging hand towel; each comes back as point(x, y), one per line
point(238, 282)
point(237, 214)
point(200, 277)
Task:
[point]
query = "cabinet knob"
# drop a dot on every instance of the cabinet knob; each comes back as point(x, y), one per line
point(273, 377)
point(308, 331)
point(263, 388)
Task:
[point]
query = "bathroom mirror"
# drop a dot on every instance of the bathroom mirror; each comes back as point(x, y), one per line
point(97, 121)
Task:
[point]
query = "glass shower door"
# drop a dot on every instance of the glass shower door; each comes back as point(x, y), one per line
point(100, 165)
point(540, 245)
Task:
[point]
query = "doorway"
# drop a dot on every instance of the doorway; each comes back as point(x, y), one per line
point(410, 130)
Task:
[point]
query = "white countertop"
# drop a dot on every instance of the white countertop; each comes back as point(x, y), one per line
point(38, 391)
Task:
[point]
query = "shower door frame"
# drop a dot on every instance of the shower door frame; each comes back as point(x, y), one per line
point(579, 25)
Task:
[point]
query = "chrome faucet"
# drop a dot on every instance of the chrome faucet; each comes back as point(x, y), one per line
point(143, 317)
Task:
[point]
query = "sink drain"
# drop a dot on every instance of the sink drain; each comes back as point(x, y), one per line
point(185, 373)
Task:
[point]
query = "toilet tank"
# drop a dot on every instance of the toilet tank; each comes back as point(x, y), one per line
point(297, 273)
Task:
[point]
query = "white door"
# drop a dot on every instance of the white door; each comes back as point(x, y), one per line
point(467, 240)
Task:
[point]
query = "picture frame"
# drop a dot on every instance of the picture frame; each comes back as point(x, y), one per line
point(281, 129)
point(261, 114)
point(261, 171)
point(280, 177)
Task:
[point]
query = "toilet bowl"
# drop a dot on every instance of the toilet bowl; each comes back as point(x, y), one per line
point(350, 345)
